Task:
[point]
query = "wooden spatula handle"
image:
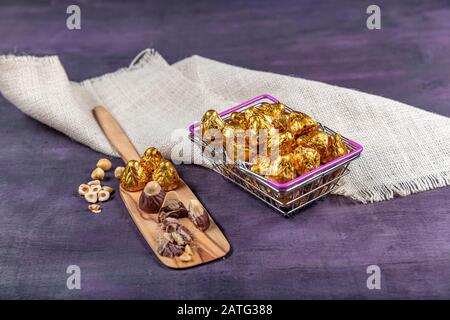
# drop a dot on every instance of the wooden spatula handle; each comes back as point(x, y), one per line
point(115, 134)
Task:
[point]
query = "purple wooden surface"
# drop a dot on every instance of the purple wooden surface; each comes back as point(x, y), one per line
point(321, 253)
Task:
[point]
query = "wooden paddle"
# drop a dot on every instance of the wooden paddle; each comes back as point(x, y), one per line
point(208, 245)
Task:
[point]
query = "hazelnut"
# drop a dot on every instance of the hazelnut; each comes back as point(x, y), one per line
point(178, 239)
point(103, 195)
point(93, 182)
point(118, 172)
point(108, 188)
point(83, 189)
point(188, 250)
point(98, 174)
point(168, 236)
point(91, 197)
point(185, 257)
point(95, 208)
point(104, 164)
point(95, 188)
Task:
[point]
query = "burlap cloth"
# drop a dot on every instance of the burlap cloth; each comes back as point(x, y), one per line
point(406, 150)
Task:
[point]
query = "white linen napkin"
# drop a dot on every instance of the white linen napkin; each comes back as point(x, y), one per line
point(406, 149)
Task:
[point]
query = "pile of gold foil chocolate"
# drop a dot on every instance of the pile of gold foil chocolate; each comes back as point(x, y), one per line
point(299, 144)
point(151, 167)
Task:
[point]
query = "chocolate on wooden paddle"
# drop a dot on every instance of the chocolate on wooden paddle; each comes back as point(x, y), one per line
point(172, 207)
point(152, 197)
point(198, 215)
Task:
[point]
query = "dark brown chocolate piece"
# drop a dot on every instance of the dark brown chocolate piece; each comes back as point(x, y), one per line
point(172, 208)
point(171, 226)
point(198, 215)
point(184, 233)
point(170, 250)
point(151, 198)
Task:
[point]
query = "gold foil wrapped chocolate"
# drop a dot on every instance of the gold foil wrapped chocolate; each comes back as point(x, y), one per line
point(319, 141)
point(241, 153)
point(282, 169)
point(250, 112)
point(230, 133)
point(261, 125)
point(276, 110)
point(301, 124)
point(281, 143)
point(237, 119)
point(150, 160)
point(166, 175)
point(134, 177)
point(336, 147)
point(212, 124)
point(261, 166)
point(305, 159)
point(281, 123)
point(239, 144)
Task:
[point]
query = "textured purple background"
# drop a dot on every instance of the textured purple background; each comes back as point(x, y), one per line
point(321, 253)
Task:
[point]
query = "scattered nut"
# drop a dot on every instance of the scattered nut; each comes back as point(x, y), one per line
point(95, 188)
point(103, 195)
point(178, 239)
point(185, 257)
point(118, 172)
point(104, 164)
point(94, 182)
point(83, 189)
point(98, 174)
point(91, 197)
point(188, 250)
point(95, 208)
point(167, 236)
point(108, 188)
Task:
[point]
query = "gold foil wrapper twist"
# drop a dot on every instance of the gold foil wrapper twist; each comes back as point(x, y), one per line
point(283, 143)
point(150, 160)
point(166, 175)
point(211, 125)
point(282, 169)
point(301, 123)
point(134, 177)
point(317, 140)
point(305, 159)
point(336, 147)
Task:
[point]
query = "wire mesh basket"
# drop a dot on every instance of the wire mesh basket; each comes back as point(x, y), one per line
point(286, 198)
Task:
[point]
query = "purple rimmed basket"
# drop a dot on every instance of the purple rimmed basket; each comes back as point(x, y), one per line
point(287, 198)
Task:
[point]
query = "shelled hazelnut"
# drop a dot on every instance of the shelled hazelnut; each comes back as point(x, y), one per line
point(94, 191)
point(98, 174)
point(83, 189)
point(95, 208)
point(108, 188)
point(91, 197)
point(103, 195)
point(104, 164)
point(95, 188)
point(118, 172)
